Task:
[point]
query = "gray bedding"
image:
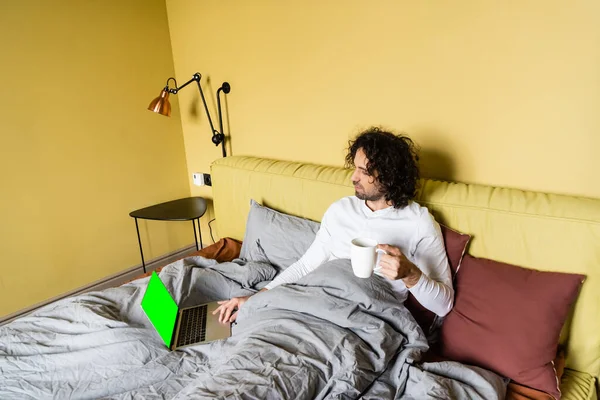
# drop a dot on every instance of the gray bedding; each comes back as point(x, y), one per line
point(331, 335)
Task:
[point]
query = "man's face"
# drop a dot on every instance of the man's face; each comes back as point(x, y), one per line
point(365, 185)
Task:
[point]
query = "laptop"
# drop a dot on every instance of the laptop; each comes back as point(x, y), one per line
point(181, 327)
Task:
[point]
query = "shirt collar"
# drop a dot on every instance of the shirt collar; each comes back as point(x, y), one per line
point(370, 213)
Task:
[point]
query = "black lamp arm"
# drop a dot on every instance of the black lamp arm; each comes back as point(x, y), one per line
point(195, 78)
point(217, 136)
point(167, 86)
point(225, 88)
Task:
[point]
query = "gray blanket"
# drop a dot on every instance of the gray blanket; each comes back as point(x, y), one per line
point(331, 335)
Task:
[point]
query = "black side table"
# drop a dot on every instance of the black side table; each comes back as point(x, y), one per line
point(190, 208)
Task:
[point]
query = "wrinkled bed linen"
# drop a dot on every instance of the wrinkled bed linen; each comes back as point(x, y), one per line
point(330, 335)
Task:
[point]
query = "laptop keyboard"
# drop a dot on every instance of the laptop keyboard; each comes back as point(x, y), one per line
point(193, 326)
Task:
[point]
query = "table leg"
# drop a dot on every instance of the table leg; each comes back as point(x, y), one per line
point(195, 235)
point(140, 243)
point(200, 233)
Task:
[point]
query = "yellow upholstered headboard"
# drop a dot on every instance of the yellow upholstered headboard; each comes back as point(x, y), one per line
point(533, 230)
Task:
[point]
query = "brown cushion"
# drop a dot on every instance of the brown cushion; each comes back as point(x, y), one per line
point(515, 391)
point(223, 251)
point(456, 245)
point(508, 319)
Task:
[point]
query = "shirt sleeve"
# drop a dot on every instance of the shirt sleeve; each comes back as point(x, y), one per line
point(317, 254)
point(434, 289)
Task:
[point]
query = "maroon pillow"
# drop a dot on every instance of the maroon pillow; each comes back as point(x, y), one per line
point(456, 245)
point(508, 319)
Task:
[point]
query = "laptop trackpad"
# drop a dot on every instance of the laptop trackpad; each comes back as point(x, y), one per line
point(216, 330)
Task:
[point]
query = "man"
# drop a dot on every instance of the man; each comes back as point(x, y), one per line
point(385, 181)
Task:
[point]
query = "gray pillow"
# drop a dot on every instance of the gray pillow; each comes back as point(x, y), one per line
point(277, 238)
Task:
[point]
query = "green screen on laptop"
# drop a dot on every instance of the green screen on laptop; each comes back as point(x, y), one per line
point(160, 308)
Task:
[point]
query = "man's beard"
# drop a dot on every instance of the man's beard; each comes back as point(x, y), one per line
point(369, 196)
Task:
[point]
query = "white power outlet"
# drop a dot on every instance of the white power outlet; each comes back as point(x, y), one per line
point(201, 179)
point(198, 178)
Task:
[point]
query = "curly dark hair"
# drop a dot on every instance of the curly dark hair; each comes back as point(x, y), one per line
point(393, 159)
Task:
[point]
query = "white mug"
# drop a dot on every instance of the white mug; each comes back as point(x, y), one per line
point(365, 256)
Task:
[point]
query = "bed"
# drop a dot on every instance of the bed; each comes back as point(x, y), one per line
point(330, 335)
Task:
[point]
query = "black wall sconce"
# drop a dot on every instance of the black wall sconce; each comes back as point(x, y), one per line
point(162, 106)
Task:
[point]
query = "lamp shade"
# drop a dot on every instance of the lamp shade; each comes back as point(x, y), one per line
point(161, 104)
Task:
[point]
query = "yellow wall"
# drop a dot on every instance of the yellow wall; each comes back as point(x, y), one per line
point(79, 151)
point(501, 93)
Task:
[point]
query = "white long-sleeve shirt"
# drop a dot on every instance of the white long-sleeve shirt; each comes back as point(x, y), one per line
point(412, 229)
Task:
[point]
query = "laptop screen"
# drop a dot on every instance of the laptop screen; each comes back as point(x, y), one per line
point(160, 308)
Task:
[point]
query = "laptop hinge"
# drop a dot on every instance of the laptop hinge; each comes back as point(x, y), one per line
point(175, 331)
